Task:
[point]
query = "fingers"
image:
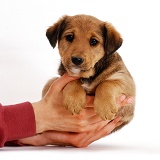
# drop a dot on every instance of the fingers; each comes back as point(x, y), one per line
point(104, 131)
point(74, 139)
point(32, 141)
point(60, 83)
point(130, 100)
point(123, 100)
point(89, 101)
point(109, 127)
point(86, 138)
point(90, 113)
point(115, 123)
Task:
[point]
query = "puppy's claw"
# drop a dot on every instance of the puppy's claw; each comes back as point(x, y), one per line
point(106, 114)
point(74, 108)
point(108, 117)
point(77, 111)
point(105, 118)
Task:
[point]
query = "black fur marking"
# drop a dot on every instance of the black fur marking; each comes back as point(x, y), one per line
point(61, 69)
point(86, 80)
point(100, 66)
point(55, 35)
point(62, 28)
point(111, 44)
point(104, 33)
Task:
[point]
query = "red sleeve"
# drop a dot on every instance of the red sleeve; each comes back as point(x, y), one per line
point(16, 122)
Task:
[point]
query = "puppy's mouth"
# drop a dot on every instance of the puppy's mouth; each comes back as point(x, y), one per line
point(76, 71)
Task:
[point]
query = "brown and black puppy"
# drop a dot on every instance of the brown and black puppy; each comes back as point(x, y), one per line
point(87, 47)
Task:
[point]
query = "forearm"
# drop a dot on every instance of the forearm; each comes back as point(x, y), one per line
point(16, 121)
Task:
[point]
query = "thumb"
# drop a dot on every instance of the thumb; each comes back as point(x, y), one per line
point(61, 82)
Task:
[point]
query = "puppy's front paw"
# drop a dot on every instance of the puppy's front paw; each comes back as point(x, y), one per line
point(74, 103)
point(105, 108)
point(74, 97)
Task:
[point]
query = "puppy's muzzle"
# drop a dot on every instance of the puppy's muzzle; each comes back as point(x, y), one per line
point(77, 60)
point(77, 65)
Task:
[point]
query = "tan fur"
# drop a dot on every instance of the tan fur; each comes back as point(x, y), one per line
point(102, 72)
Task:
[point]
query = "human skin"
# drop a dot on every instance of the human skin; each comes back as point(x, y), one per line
point(57, 126)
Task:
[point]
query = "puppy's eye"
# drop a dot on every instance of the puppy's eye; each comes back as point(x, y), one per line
point(70, 38)
point(93, 42)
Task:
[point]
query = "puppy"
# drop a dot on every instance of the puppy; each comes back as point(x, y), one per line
point(87, 47)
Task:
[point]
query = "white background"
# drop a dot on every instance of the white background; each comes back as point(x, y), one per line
point(27, 61)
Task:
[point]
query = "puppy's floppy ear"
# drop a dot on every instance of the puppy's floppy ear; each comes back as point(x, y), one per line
point(112, 38)
point(54, 32)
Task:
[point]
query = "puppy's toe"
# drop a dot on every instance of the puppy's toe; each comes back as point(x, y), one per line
point(105, 110)
point(75, 106)
point(75, 102)
point(74, 97)
point(105, 115)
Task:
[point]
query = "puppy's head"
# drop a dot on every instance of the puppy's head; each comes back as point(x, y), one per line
point(82, 41)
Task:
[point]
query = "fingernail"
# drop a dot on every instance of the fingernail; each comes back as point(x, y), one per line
point(130, 100)
point(122, 97)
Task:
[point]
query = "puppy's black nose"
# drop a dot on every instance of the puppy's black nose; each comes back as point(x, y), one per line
point(77, 60)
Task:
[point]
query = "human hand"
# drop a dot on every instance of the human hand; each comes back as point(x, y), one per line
point(50, 114)
point(81, 139)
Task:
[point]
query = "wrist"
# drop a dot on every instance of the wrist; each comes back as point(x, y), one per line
point(39, 111)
